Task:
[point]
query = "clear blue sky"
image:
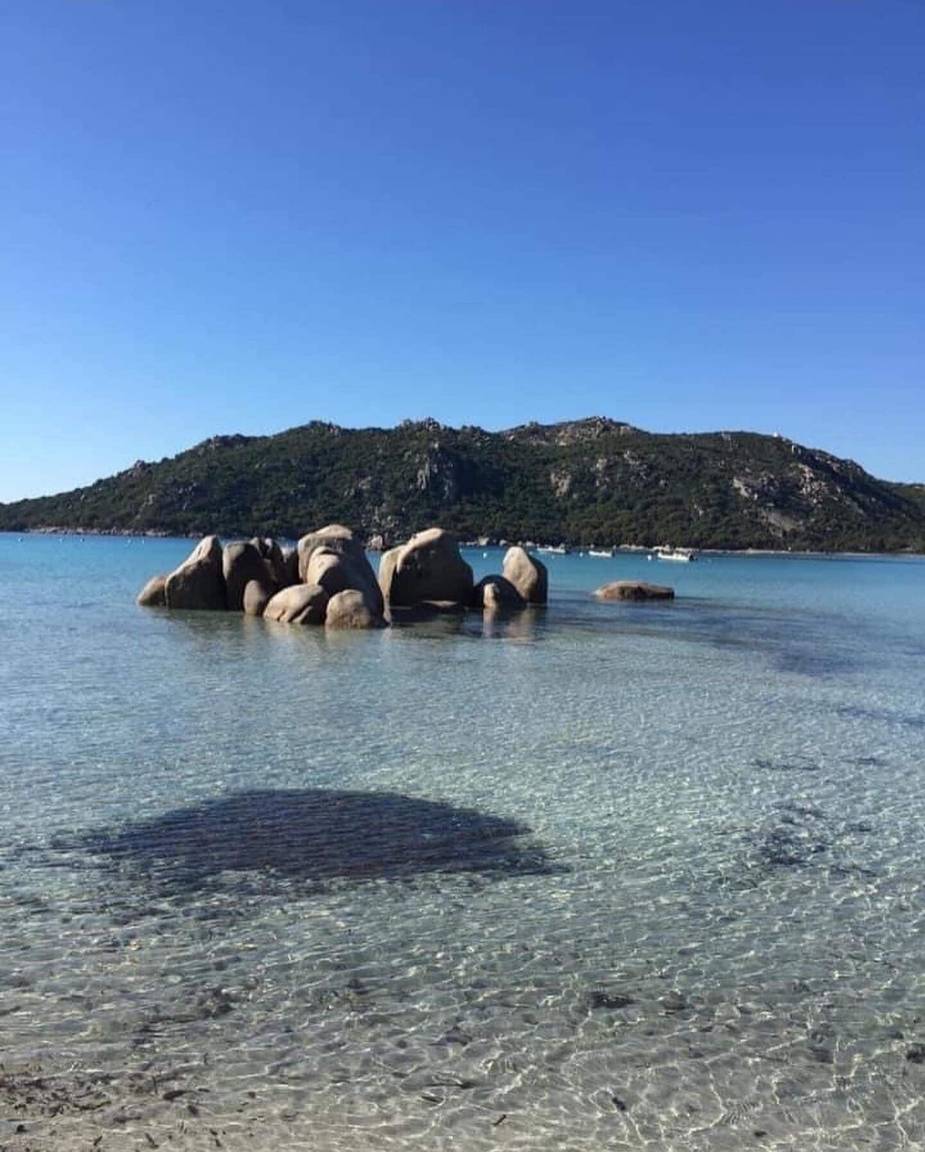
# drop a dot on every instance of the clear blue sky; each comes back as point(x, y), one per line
point(236, 217)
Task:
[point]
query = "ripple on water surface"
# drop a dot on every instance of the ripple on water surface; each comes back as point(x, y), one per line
point(596, 877)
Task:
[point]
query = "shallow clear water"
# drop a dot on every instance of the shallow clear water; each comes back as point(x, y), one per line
point(605, 876)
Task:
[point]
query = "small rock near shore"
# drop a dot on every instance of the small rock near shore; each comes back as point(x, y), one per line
point(634, 590)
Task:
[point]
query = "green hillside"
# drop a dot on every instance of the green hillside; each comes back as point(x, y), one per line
point(583, 482)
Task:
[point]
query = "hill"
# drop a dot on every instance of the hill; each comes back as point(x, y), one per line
point(583, 482)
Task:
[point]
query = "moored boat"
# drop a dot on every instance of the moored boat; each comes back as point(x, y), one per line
point(679, 555)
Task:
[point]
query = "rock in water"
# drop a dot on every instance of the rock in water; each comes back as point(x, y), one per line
point(527, 574)
point(275, 562)
point(634, 590)
point(349, 609)
point(388, 561)
point(198, 583)
point(494, 592)
point(152, 595)
point(242, 563)
point(290, 567)
point(428, 567)
point(256, 598)
point(299, 604)
point(349, 567)
point(335, 538)
point(336, 573)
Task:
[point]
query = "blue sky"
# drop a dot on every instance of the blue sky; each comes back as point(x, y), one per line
point(236, 217)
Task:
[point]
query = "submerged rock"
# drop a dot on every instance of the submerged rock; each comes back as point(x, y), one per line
point(317, 835)
point(198, 583)
point(634, 590)
point(527, 575)
point(153, 594)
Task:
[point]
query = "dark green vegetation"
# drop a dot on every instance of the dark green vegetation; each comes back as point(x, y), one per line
point(583, 482)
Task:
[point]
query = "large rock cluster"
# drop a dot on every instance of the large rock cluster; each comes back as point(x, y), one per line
point(327, 579)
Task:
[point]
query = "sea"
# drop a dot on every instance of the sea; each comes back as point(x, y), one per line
point(589, 877)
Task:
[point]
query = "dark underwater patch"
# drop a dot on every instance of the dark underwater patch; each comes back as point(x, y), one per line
point(789, 764)
point(856, 712)
point(318, 835)
point(800, 834)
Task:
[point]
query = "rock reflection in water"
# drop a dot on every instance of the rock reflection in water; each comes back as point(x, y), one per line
point(441, 621)
point(320, 834)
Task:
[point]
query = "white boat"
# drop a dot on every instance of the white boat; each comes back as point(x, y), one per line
point(608, 552)
point(678, 555)
point(558, 549)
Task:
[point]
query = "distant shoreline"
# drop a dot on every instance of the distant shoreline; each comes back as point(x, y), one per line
point(586, 483)
point(620, 550)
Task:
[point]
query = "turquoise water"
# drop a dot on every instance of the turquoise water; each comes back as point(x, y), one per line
point(604, 876)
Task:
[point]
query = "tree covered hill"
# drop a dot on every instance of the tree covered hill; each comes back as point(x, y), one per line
point(582, 482)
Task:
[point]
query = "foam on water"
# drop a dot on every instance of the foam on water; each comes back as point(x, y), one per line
point(604, 876)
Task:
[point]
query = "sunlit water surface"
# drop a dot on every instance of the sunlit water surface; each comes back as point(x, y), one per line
point(597, 877)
